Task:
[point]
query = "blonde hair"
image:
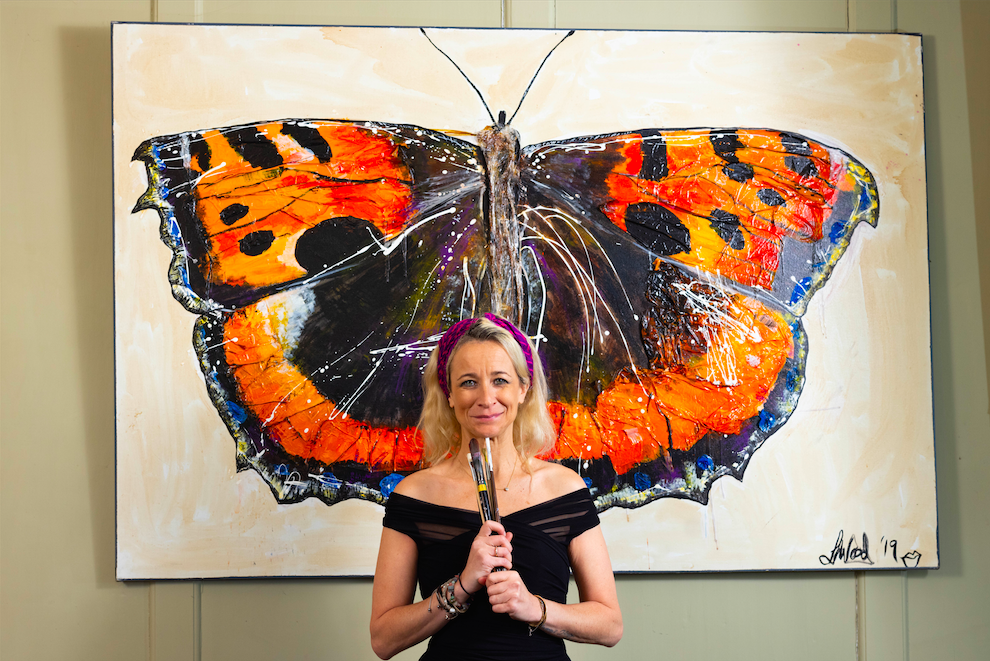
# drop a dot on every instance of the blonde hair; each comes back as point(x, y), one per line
point(532, 431)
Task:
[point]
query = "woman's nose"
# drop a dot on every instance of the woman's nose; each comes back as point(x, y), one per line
point(487, 394)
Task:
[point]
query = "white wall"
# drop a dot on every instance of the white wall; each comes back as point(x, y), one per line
point(59, 597)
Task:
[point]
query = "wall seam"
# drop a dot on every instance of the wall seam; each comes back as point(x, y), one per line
point(860, 615)
point(198, 621)
point(904, 617)
point(152, 634)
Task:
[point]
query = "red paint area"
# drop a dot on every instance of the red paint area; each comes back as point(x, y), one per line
point(699, 184)
point(365, 178)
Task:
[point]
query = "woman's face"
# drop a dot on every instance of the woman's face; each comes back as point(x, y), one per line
point(485, 391)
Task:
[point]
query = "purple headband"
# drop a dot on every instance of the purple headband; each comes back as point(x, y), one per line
point(457, 331)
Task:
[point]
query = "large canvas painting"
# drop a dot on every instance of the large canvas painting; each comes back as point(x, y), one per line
point(717, 241)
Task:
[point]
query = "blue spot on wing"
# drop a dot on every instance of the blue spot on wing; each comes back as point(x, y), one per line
point(837, 231)
point(587, 482)
point(236, 412)
point(705, 463)
point(767, 421)
point(388, 483)
point(792, 379)
point(865, 197)
point(800, 289)
point(642, 481)
point(328, 480)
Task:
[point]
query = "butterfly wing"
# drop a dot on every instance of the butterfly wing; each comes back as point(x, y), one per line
point(675, 266)
point(666, 272)
point(322, 258)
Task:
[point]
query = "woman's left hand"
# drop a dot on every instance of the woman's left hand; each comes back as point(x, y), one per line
point(508, 594)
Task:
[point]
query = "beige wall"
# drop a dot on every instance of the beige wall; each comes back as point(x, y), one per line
point(59, 596)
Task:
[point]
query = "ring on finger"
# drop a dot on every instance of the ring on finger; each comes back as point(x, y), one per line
point(495, 551)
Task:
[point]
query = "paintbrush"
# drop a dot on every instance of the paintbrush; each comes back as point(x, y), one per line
point(492, 491)
point(484, 479)
point(480, 472)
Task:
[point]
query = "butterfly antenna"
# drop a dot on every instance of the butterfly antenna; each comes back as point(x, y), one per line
point(477, 91)
point(537, 74)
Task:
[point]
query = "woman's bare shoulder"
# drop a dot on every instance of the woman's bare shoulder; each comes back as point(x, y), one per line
point(557, 480)
point(428, 483)
point(416, 485)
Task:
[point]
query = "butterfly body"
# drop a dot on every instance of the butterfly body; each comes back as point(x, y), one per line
point(661, 273)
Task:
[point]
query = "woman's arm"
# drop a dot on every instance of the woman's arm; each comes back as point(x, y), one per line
point(596, 619)
point(396, 622)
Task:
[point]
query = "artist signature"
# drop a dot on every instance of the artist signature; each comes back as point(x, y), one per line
point(857, 552)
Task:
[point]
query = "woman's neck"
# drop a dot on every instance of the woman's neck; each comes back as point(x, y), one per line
point(505, 458)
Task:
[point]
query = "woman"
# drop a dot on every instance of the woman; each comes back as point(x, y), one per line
point(481, 382)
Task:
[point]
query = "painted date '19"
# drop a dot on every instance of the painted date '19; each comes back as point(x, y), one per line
point(857, 552)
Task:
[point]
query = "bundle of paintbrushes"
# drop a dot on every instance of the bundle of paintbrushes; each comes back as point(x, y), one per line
point(481, 470)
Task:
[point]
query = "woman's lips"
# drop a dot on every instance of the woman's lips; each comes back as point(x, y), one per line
point(487, 418)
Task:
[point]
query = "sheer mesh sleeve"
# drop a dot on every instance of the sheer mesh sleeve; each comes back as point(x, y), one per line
point(424, 522)
point(563, 518)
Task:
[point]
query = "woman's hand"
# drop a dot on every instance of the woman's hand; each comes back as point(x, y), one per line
point(508, 594)
point(491, 548)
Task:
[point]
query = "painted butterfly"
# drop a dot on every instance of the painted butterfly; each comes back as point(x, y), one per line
point(662, 273)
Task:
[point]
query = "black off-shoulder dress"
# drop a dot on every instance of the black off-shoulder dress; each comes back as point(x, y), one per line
point(541, 534)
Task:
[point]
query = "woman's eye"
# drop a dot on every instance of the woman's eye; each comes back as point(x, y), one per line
point(501, 382)
point(467, 383)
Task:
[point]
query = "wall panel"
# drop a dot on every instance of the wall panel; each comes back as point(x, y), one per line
point(59, 599)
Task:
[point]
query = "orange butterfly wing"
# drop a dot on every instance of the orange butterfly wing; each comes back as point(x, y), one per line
point(317, 253)
point(718, 240)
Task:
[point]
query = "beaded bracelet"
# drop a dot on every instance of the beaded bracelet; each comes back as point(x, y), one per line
point(543, 607)
point(447, 600)
point(452, 606)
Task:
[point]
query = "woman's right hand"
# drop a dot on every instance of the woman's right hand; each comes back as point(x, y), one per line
point(491, 548)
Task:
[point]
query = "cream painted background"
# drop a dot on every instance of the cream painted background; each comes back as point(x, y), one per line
point(857, 455)
point(59, 597)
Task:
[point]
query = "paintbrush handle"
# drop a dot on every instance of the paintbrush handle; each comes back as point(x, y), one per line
point(481, 472)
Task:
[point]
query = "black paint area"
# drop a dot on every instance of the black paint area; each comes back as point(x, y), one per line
point(795, 144)
point(670, 327)
point(233, 213)
point(600, 471)
point(199, 151)
point(334, 240)
point(254, 147)
point(802, 165)
point(727, 226)
point(657, 228)
point(770, 197)
point(356, 311)
point(256, 243)
point(725, 145)
point(654, 166)
point(309, 138)
point(740, 172)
